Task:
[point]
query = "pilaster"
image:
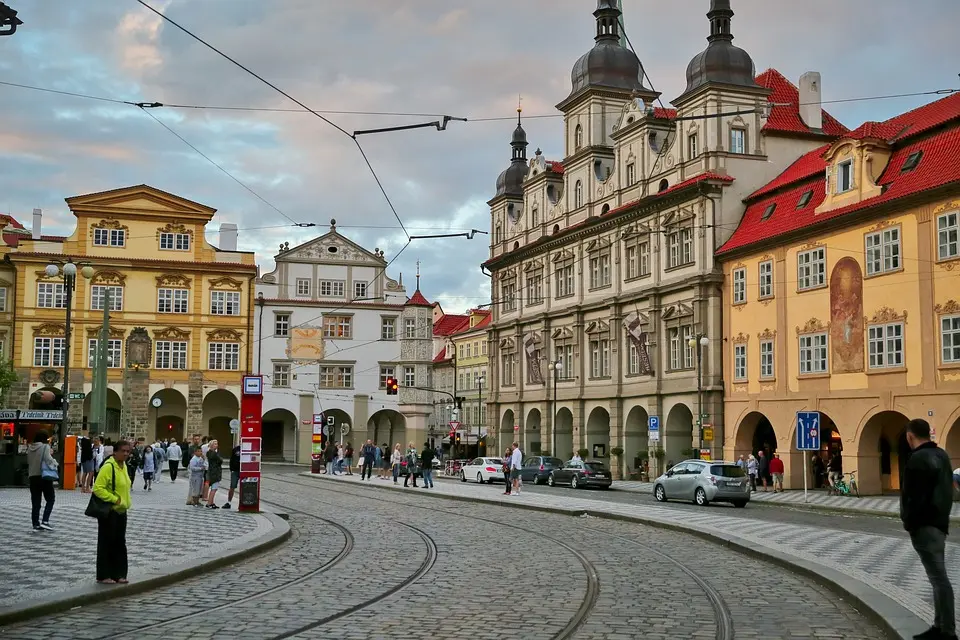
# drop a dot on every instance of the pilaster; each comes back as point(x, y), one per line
point(194, 423)
point(134, 419)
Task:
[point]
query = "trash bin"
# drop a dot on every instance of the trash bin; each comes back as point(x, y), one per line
point(315, 463)
point(249, 493)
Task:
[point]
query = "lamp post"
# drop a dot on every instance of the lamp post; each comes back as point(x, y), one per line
point(699, 343)
point(69, 271)
point(480, 381)
point(557, 366)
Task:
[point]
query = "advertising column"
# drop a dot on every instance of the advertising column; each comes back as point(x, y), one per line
point(251, 424)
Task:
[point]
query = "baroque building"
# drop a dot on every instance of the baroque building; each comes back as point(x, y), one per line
point(602, 264)
point(841, 297)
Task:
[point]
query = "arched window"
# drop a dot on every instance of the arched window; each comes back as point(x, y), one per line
point(498, 234)
point(577, 138)
point(556, 228)
point(605, 210)
point(578, 195)
point(664, 185)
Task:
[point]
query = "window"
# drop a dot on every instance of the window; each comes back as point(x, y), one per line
point(337, 326)
point(172, 300)
point(768, 211)
point(508, 360)
point(679, 247)
point(811, 269)
point(303, 287)
point(388, 328)
point(332, 288)
point(101, 237)
point(462, 351)
point(281, 325)
point(483, 348)
point(693, 145)
point(563, 277)
point(410, 328)
point(950, 339)
point(766, 279)
point(281, 376)
point(409, 377)
point(109, 237)
point(739, 286)
point(338, 377)
point(359, 290)
point(114, 353)
point(637, 257)
point(886, 345)
point(98, 292)
point(600, 358)
point(48, 352)
point(225, 303)
point(805, 199)
point(50, 295)
point(386, 372)
point(766, 359)
point(738, 140)
point(681, 353)
point(564, 355)
point(631, 174)
point(577, 138)
point(813, 353)
point(223, 356)
point(534, 288)
point(911, 162)
point(740, 362)
point(170, 355)
point(3, 298)
point(535, 216)
point(175, 241)
point(633, 358)
point(599, 270)
point(578, 195)
point(508, 293)
point(948, 229)
point(883, 251)
point(845, 176)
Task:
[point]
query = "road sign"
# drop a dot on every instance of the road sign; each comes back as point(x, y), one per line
point(705, 455)
point(454, 425)
point(330, 421)
point(76, 395)
point(234, 426)
point(516, 428)
point(318, 418)
point(653, 422)
point(653, 436)
point(708, 433)
point(808, 430)
point(344, 429)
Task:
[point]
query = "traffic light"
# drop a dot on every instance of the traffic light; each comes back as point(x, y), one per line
point(458, 437)
point(392, 386)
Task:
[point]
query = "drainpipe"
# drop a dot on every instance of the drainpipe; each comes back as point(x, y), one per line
point(260, 303)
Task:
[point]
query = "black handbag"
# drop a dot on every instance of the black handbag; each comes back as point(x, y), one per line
point(98, 507)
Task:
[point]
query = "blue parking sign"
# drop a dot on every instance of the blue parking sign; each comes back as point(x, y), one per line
point(808, 430)
point(653, 422)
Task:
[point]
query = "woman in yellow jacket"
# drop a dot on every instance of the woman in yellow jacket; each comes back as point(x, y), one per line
point(113, 485)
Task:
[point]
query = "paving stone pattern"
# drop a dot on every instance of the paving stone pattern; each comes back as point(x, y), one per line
point(162, 534)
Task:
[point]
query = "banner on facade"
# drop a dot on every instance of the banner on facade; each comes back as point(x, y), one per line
point(305, 344)
point(535, 375)
point(638, 337)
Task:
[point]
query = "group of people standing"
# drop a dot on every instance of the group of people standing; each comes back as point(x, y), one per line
point(338, 460)
point(766, 468)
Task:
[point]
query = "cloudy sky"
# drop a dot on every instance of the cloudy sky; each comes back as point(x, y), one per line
point(467, 58)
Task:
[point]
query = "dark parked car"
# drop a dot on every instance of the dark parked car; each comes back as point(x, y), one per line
point(536, 469)
point(581, 474)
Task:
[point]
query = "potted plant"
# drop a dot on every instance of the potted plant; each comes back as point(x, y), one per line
point(617, 452)
point(583, 453)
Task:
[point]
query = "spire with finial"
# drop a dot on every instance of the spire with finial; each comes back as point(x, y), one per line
point(720, 14)
point(519, 141)
point(418, 275)
point(333, 224)
point(608, 21)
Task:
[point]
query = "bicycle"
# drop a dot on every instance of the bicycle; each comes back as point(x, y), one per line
point(842, 488)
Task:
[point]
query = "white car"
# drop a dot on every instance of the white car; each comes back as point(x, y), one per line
point(482, 470)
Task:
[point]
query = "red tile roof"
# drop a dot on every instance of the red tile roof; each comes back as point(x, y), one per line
point(417, 300)
point(938, 167)
point(440, 356)
point(484, 322)
point(450, 323)
point(7, 219)
point(555, 167)
point(785, 114)
point(664, 113)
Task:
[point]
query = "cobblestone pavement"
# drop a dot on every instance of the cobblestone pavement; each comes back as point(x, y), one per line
point(163, 535)
point(466, 570)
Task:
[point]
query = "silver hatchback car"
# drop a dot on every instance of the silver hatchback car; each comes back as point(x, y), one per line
point(704, 482)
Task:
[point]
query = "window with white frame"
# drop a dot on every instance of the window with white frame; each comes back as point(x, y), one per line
point(225, 303)
point(633, 358)
point(109, 237)
point(483, 347)
point(48, 352)
point(813, 353)
point(534, 287)
point(223, 356)
point(170, 354)
point(681, 353)
point(885, 345)
point(281, 325)
point(3, 298)
point(303, 287)
point(948, 230)
point(172, 300)
point(740, 362)
point(599, 357)
point(409, 327)
point(281, 376)
point(3, 350)
point(462, 351)
point(336, 377)
point(679, 246)
point(409, 377)
point(950, 339)
point(114, 352)
point(738, 140)
point(766, 359)
point(578, 195)
point(337, 326)
point(564, 279)
point(765, 279)
point(564, 355)
point(845, 176)
point(637, 257)
point(332, 288)
point(388, 328)
point(739, 285)
point(359, 290)
point(577, 138)
point(631, 173)
point(386, 372)
point(508, 369)
point(693, 144)
point(98, 293)
point(174, 241)
point(50, 295)
point(600, 270)
point(508, 295)
point(883, 251)
point(811, 269)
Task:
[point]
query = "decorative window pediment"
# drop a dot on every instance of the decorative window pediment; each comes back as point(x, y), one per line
point(42, 275)
point(50, 329)
point(109, 277)
point(171, 333)
point(224, 335)
point(949, 308)
point(885, 315)
point(562, 333)
point(5, 283)
point(536, 265)
point(115, 332)
point(813, 325)
point(679, 217)
point(109, 223)
point(598, 244)
point(678, 311)
point(598, 326)
point(508, 274)
point(767, 334)
point(636, 319)
point(741, 338)
point(173, 280)
point(508, 345)
point(563, 256)
point(641, 230)
point(174, 227)
point(226, 282)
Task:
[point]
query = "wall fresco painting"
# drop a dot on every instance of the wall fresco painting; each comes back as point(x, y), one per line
point(846, 317)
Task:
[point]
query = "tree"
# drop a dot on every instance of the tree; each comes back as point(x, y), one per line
point(8, 376)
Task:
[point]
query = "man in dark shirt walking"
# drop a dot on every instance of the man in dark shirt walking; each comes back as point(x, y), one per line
point(926, 498)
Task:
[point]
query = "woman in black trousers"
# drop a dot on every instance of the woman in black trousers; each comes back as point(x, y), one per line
point(113, 486)
point(41, 486)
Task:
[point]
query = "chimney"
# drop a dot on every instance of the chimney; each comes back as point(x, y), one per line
point(37, 218)
point(228, 237)
point(810, 100)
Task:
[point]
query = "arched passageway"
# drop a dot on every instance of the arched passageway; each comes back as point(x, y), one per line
point(219, 408)
point(279, 432)
point(882, 452)
point(636, 453)
point(564, 434)
point(598, 435)
point(532, 442)
point(169, 417)
point(678, 434)
point(507, 432)
point(388, 427)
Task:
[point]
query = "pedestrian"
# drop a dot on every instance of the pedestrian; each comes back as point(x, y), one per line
point(576, 456)
point(741, 462)
point(113, 485)
point(378, 461)
point(97, 457)
point(174, 453)
point(776, 470)
point(42, 474)
point(835, 470)
point(426, 463)
point(506, 470)
point(395, 459)
point(752, 471)
point(413, 461)
point(368, 458)
point(348, 458)
point(926, 498)
point(340, 456)
point(214, 471)
point(107, 452)
point(234, 474)
point(818, 470)
point(149, 464)
point(196, 467)
point(133, 463)
point(763, 468)
point(329, 454)
point(86, 461)
point(158, 460)
point(516, 463)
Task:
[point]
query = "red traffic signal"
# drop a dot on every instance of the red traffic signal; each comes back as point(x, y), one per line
point(392, 386)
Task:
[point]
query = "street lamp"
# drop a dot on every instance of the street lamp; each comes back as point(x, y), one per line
point(557, 367)
point(480, 381)
point(699, 343)
point(8, 20)
point(69, 271)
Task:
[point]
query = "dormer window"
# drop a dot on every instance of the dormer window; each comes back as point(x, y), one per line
point(577, 138)
point(845, 176)
point(805, 199)
point(911, 162)
point(769, 211)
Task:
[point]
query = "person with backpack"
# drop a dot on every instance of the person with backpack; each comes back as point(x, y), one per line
point(42, 472)
point(134, 462)
point(113, 487)
point(413, 463)
point(426, 464)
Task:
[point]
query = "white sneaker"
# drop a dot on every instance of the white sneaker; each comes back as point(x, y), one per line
point(45, 526)
point(514, 493)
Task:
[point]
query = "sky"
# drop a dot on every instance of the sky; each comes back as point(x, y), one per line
point(464, 58)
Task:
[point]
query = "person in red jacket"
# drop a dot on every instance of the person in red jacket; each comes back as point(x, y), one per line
point(776, 470)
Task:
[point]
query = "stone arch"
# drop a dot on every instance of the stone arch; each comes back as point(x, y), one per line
point(220, 406)
point(678, 434)
point(564, 434)
point(532, 432)
point(755, 433)
point(111, 427)
point(279, 433)
point(882, 452)
point(598, 434)
point(389, 427)
point(170, 416)
point(636, 446)
point(950, 438)
point(342, 419)
point(507, 421)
